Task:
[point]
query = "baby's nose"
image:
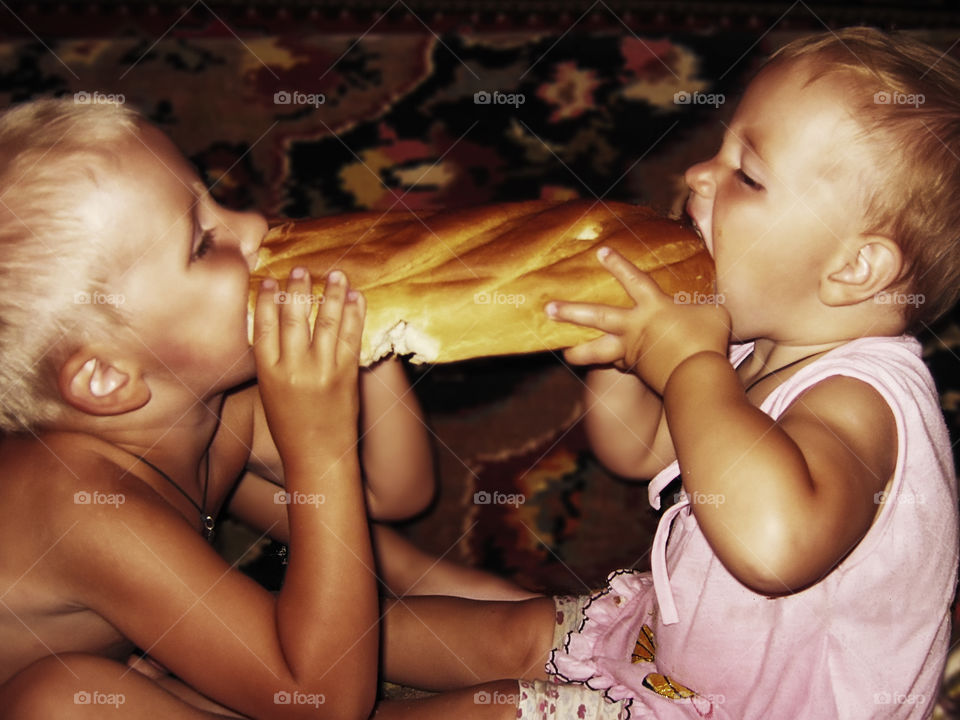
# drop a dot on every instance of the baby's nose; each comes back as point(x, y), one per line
point(699, 178)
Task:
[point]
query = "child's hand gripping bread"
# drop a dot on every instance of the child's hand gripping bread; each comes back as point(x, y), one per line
point(459, 284)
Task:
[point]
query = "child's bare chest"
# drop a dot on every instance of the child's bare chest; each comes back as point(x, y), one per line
point(35, 623)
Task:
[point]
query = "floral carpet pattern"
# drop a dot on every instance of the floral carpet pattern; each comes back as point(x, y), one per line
point(323, 122)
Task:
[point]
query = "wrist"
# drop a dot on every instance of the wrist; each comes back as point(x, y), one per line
point(697, 364)
point(318, 468)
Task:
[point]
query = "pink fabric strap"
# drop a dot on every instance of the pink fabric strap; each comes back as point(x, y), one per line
point(658, 564)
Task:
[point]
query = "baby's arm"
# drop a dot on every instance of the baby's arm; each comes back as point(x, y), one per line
point(396, 454)
point(395, 449)
point(780, 502)
point(797, 493)
point(626, 425)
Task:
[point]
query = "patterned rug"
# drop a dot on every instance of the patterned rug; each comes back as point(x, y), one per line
point(313, 122)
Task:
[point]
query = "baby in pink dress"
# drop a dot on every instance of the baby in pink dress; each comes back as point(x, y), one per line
point(807, 567)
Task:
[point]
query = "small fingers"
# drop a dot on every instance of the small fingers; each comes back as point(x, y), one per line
point(266, 326)
point(604, 350)
point(295, 313)
point(326, 329)
point(636, 282)
point(602, 317)
point(351, 330)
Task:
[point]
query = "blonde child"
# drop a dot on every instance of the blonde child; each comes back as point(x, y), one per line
point(808, 568)
point(129, 415)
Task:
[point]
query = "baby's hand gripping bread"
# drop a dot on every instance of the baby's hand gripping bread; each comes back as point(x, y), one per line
point(457, 284)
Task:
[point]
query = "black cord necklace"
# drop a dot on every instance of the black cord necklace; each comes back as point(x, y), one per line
point(206, 519)
point(763, 377)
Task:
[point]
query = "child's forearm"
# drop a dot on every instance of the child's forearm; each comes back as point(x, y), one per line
point(327, 610)
point(407, 570)
point(749, 485)
point(395, 445)
point(621, 418)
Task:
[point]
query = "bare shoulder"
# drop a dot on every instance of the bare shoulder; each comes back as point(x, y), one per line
point(51, 476)
point(843, 416)
point(57, 482)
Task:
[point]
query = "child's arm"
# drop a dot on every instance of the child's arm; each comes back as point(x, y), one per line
point(395, 449)
point(797, 493)
point(333, 604)
point(396, 454)
point(312, 649)
point(626, 425)
point(780, 502)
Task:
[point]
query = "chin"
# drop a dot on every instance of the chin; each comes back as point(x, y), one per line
point(240, 371)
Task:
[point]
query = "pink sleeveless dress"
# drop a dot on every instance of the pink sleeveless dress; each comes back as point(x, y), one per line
point(867, 641)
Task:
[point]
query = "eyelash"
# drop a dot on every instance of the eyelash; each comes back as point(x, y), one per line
point(747, 180)
point(205, 244)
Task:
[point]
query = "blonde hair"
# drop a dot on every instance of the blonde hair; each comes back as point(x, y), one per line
point(52, 254)
point(906, 96)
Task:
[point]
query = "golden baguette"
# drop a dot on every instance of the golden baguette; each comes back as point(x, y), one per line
point(457, 284)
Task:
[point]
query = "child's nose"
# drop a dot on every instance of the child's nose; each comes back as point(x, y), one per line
point(699, 178)
point(253, 227)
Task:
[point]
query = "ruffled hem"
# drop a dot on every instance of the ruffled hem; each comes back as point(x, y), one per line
point(598, 652)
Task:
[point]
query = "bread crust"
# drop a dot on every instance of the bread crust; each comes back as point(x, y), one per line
point(451, 285)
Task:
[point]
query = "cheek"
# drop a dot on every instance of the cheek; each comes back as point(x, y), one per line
point(225, 294)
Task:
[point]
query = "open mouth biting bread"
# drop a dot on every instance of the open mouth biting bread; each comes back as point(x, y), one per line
point(451, 285)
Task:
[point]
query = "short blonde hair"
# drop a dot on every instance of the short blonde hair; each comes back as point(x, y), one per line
point(906, 96)
point(52, 255)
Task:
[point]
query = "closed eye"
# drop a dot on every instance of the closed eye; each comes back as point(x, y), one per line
point(747, 180)
point(205, 244)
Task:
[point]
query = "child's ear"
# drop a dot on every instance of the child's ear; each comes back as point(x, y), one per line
point(859, 274)
point(100, 384)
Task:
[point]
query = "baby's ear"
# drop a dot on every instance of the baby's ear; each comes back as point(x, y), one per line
point(859, 272)
point(98, 383)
